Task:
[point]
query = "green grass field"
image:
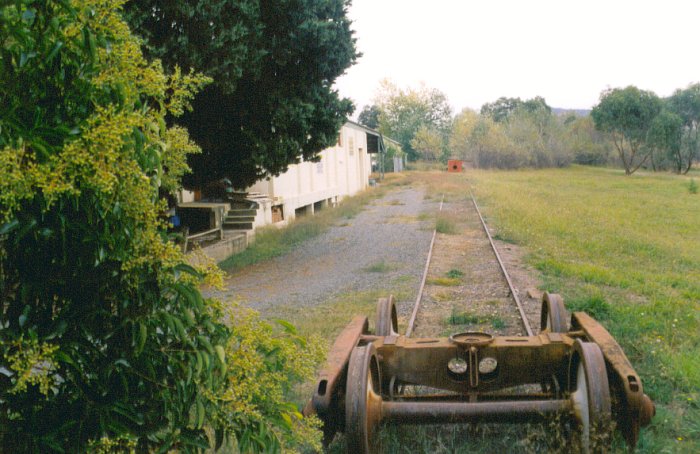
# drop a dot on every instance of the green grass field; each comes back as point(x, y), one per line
point(627, 250)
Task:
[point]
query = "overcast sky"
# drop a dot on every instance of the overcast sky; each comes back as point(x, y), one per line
point(566, 51)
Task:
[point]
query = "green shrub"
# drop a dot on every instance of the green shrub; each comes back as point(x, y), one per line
point(105, 340)
point(455, 274)
point(264, 365)
point(498, 323)
point(692, 186)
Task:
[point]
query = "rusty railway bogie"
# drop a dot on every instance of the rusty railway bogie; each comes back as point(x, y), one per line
point(581, 374)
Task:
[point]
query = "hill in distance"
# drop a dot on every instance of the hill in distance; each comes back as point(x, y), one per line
point(578, 112)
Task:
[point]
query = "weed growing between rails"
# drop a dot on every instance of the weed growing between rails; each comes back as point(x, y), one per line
point(624, 249)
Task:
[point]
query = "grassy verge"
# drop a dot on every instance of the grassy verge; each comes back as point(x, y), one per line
point(627, 250)
point(329, 319)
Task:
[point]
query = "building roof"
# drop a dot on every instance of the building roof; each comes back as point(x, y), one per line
point(373, 132)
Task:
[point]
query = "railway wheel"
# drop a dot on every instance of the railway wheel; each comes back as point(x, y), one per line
point(590, 398)
point(553, 316)
point(363, 402)
point(387, 320)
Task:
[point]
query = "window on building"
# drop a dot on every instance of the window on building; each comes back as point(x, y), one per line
point(351, 146)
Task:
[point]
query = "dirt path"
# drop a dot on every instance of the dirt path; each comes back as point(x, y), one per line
point(387, 241)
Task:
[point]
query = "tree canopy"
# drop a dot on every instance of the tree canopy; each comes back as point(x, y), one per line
point(403, 112)
point(369, 116)
point(462, 138)
point(273, 64)
point(664, 137)
point(428, 143)
point(502, 108)
point(686, 104)
point(627, 113)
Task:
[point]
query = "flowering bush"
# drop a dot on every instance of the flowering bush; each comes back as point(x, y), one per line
point(105, 340)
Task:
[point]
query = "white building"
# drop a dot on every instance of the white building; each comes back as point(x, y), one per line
point(342, 170)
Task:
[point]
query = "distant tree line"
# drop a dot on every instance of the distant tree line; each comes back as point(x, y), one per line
point(629, 127)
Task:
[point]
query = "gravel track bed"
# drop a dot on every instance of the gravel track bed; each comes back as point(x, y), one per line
point(388, 234)
point(482, 295)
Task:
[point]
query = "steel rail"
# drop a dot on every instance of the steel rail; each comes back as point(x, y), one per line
point(513, 293)
point(412, 320)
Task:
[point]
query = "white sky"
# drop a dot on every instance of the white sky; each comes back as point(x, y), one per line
point(476, 51)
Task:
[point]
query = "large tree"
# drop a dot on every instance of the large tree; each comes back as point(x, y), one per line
point(664, 140)
point(403, 112)
point(627, 114)
point(429, 143)
point(369, 116)
point(686, 104)
point(273, 64)
point(462, 140)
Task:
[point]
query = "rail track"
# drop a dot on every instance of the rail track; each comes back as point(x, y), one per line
point(486, 281)
point(491, 369)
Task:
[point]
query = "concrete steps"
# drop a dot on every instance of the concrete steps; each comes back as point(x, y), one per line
point(240, 219)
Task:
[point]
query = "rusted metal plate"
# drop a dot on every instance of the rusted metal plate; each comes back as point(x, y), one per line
point(633, 408)
point(518, 361)
point(336, 365)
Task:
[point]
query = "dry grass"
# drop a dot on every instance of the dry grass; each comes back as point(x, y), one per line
point(444, 281)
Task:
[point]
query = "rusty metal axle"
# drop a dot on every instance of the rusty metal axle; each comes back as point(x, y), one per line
point(477, 412)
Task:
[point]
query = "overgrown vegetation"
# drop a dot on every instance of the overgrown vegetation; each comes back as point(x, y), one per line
point(444, 281)
point(455, 274)
point(106, 343)
point(619, 248)
point(457, 318)
point(444, 223)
